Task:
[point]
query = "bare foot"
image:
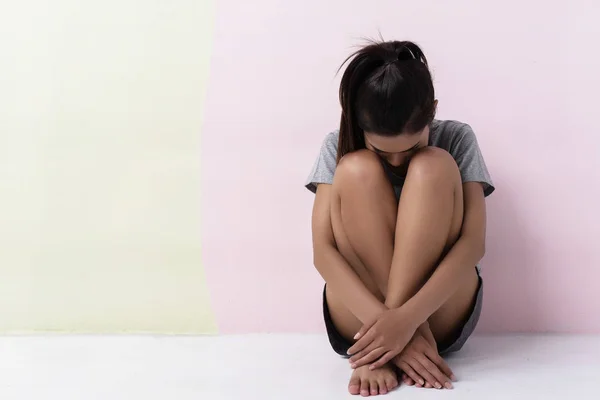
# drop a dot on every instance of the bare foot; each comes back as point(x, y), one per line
point(372, 383)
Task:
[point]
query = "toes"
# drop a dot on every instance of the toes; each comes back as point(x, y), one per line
point(383, 389)
point(354, 385)
point(364, 388)
point(374, 388)
point(391, 383)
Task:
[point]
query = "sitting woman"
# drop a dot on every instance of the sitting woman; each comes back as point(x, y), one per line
point(398, 224)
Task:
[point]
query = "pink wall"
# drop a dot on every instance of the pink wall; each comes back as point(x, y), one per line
point(524, 76)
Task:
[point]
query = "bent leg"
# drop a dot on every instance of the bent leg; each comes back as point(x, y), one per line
point(363, 216)
point(430, 216)
point(367, 222)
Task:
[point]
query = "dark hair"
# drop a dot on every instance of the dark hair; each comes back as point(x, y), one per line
point(386, 89)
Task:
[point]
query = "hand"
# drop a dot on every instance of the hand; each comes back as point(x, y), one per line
point(421, 362)
point(382, 339)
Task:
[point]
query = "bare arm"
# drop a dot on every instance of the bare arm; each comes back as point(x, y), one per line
point(462, 258)
point(334, 268)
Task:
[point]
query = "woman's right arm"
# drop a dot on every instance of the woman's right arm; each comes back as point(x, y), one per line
point(334, 268)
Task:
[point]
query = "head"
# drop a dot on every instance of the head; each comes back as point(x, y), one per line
point(387, 100)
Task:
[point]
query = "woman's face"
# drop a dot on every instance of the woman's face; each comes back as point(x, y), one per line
point(397, 150)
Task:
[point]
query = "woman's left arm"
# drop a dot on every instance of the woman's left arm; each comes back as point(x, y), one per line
point(468, 250)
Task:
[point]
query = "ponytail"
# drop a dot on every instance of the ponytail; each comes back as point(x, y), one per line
point(385, 89)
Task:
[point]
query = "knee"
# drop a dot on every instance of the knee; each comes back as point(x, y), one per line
point(362, 166)
point(433, 163)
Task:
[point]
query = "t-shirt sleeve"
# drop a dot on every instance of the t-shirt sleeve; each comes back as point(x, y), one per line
point(470, 161)
point(324, 167)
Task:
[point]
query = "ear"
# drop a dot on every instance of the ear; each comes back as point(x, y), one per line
point(435, 105)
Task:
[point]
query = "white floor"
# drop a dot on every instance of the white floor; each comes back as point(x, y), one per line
point(278, 367)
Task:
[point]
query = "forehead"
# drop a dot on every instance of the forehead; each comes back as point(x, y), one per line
point(396, 144)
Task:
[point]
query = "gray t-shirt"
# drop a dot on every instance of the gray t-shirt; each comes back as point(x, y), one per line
point(455, 137)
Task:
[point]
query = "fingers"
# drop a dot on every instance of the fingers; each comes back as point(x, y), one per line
point(362, 343)
point(364, 329)
point(424, 373)
point(408, 370)
point(439, 378)
point(368, 358)
point(434, 369)
point(360, 354)
point(441, 364)
point(383, 360)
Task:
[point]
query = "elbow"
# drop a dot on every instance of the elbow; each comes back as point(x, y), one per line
point(320, 256)
point(481, 249)
point(476, 246)
point(319, 264)
point(316, 259)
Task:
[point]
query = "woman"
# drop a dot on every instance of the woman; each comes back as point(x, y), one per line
point(398, 224)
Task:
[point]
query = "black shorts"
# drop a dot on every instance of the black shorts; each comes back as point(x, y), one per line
point(340, 345)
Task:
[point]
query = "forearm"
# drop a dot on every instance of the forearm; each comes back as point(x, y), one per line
point(445, 280)
point(403, 287)
point(346, 284)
